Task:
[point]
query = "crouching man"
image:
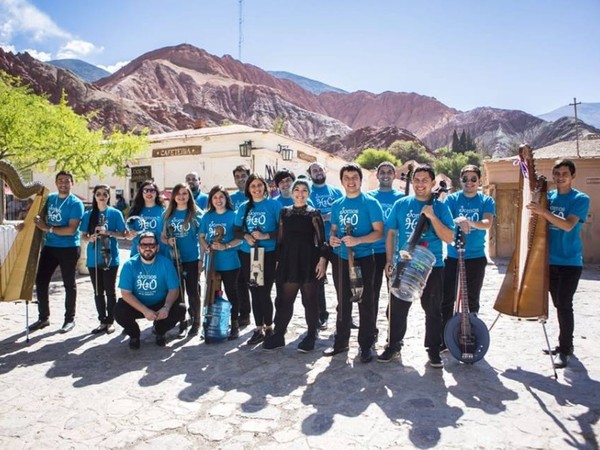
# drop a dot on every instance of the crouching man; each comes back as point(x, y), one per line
point(149, 287)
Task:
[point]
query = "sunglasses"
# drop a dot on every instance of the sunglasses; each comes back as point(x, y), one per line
point(147, 245)
point(101, 194)
point(472, 179)
point(148, 190)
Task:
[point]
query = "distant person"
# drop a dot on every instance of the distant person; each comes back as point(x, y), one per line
point(121, 204)
point(567, 211)
point(61, 249)
point(199, 197)
point(149, 289)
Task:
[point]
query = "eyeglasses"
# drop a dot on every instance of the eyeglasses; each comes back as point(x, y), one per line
point(101, 194)
point(472, 179)
point(148, 190)
point(147, 245)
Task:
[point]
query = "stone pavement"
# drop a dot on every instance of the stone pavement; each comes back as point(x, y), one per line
point(77, 390)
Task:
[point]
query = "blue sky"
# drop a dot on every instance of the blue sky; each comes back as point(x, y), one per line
point(532, 55)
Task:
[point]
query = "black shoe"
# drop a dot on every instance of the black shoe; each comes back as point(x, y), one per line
point(273, 342)
point(110, 328)
point(194, 330)
point(257, 337)
point(307, 344)
point(366, 355)
point(268, 332)
point(182, 329)
point(234, 333)
point(324, 323)
point(434, 359)
point(39, 325)
point(67, 326)
point(244, 321)
point(389, 354)
point(134, 343)
point(556, 351)
point(331, 351)
point(561, 360)
point(354, 325)
point(161, 341)
point(443, 348)
point(100, 328)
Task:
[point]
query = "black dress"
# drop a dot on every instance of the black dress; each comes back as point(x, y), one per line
point(301, 242)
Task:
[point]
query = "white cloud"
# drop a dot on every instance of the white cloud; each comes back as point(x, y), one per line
point(114, 67)
point(9, 48)
point(20, 17)
point(42, 56)
point(77, 48)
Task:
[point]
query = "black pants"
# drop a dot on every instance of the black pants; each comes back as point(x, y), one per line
point(431, 302)
point(475, 273)
point(189, 280)
point(104, 282)
point(284, 305)
point(50, 259)
point(126, 316)
point(243, 294)
point(262, 305)
point(563, 285)
point(366, 330)
point(230, 283)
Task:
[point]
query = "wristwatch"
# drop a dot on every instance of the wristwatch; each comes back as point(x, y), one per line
point(51, 230)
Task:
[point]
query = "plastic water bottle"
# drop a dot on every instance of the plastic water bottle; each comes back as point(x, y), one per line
point(218, 328)
point(417, 267)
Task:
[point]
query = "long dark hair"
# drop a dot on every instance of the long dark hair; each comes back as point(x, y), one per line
point(95, 215)
point(250, 204)
point(192, 209)
point(216, 190)
point(139, 203)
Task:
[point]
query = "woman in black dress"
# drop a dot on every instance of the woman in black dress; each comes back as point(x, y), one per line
point(301, 263)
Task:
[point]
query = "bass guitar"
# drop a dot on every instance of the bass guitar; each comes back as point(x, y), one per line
point(213, 283)
point(101, 231)
point(355, 272)
point(465, 335)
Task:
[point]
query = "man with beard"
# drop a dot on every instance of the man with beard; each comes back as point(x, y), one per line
point(200, 198)
point(150, 287)
point(322, 197)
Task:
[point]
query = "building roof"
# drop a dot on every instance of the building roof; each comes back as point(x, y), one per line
point(203, 132)
point(588, 149)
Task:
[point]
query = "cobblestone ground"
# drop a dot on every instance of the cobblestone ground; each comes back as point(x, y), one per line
point(78, 390)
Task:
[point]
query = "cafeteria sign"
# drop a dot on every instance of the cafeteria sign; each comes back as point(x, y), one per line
point(176, 151)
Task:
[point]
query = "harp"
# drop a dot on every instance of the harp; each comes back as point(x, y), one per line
point(524, 291)
point(19, 251)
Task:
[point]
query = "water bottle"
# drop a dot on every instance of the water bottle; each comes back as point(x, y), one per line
point(218, 328)
point(416, 267)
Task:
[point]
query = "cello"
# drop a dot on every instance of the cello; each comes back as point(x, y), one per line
point(465, 335)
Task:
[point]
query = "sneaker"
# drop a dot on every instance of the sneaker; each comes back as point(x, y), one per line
point(561, 360)
point(100, 328)
point(324, 323)
point(257, 337)
point(556, 351)
point(443, 348)
point(110, 328)
point(134, 343)
point(244, 321)
point(331, 351)
point(39, 325)
point(273, 342)
point(366, 355)
point(434, 359)
point(307, 344)
point(182, 329)
point(161, 341)
point(194, 330)
point(389, 354)
point(67, 326)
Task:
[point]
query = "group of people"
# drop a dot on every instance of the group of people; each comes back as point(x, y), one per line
point(293, 237)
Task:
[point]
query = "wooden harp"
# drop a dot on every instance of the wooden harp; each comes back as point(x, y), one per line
point(524, 291)
point(19, 251)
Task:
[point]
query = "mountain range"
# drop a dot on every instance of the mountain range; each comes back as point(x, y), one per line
point(183, 86)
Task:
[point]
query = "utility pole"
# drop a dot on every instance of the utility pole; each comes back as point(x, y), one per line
point(574, 105)
point(241, 36)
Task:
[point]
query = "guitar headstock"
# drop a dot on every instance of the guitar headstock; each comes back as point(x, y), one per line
point(459, 240)
point(406, 177)
point(348, 229)
point(526, 157)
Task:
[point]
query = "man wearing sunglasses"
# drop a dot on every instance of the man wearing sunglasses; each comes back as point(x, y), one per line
point(474, 213)
point(150, 287)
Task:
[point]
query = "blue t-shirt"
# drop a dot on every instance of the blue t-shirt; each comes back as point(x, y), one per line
point(566, 247)
point(224, 259)
point(404, 217)
point(186, 238)
point(263, 216)
point(386, 200)
point(360, 212)
point(473, 208)
point(152, 220)
point(322, 198)
point(149, 283)
point(237, 198)
point(60, 212)
point(201, 200)
point(113, 220)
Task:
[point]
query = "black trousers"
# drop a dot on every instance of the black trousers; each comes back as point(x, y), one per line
point(262, 305)
point(189, 281)
point(284, 305)
point(563, 285)
point(126, 316)
point(341, 279)
point(431, 302)
point(104, 282)
point(475, 273)
point(50, 259)
point(243, 294)
point(230, 283)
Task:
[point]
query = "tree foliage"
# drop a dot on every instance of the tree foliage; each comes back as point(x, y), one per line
point(451, 165)
point(370, 158)
point(464, 143)
point(410, 150)
point(37, 134)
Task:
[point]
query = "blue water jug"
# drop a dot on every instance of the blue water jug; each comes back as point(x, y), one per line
point(220, 312)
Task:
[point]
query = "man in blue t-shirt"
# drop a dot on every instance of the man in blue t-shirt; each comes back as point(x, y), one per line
point(61, 249)
point(567, 211)
point(200, 198)
point(474, 213)
point(356, 224)
point(149, 288)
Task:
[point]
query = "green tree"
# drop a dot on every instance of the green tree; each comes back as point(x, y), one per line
point(38, 135)
point(452, 164)
point(455, 142)
point(279, 125)
point(370, 158)
point(410, 150)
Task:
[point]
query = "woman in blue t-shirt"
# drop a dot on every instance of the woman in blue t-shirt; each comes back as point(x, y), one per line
point(146, 215)
point(219, 220)
point(100, 227)
point(181, 231)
